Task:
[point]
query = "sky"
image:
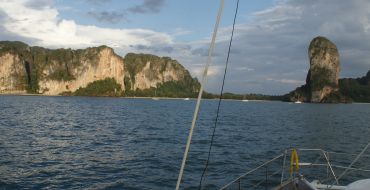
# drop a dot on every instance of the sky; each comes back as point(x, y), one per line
point(269, 50)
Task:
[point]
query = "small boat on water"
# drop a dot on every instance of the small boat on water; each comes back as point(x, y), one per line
point(298, 102)
point(186, 98)
point(245, 100)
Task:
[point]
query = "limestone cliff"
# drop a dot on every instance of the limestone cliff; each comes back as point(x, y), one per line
point(102, 64)
point(145, 71)
point(12, 73)
point(64, 71)
point(323, 75)
point(51, 72)
point(150, 75)
point(322, 78)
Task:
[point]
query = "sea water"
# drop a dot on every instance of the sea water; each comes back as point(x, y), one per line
point(121, 143)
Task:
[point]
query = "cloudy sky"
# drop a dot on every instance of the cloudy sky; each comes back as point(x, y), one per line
point(269, 53)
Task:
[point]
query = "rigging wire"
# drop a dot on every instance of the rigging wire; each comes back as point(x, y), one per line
point(220, 98)
point(353, 162)
point(195, 115)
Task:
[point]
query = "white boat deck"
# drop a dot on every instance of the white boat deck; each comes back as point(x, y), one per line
point(291, 178)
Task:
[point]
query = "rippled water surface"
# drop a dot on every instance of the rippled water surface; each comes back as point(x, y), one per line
point(115, 143)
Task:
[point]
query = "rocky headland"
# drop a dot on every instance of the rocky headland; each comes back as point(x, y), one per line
point(96, 71)
point(322, 82)
point(99, 71)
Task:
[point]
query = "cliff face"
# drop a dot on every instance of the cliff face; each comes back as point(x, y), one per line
point(102, 64)
point(324, 70)
point(322, 78)
point(52, 72)
point(12, 74)
point(145, 71)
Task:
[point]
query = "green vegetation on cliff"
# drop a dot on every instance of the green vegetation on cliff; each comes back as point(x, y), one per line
point(233, 96)
point(357, 89)
point(322, 77)
point(135, 63)
point(105, 87)
point(59, 62)
point(173, 89)
point(13, 47)
point(184, 86)
point(178, 89)
point(350, 90)
point(301, 93)
point(171, 78)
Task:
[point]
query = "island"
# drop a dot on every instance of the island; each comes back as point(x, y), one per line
point(99, 71)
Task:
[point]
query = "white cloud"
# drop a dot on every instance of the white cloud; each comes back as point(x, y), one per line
point(287, 81)
point(47, 29)
point(181, 32)
point(199, 70)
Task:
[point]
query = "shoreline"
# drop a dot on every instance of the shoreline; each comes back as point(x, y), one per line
point(135, 97)
point(157, 98)
point(129, 97)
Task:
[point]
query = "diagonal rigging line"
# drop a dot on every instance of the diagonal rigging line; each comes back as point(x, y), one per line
point(210, 51)
point(220, 98)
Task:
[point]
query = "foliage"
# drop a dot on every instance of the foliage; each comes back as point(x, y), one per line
point(173, 89)
point(13, 47)
point(63, 61)
point(105, 87)
point(61, 75)
point(186, 86)
point(33, 77)
point(356, 89)
point(365, 80)
point(134, 63)
point(229, 95)
point(127, 83)
point(207, 95)
point(301, 93)
point(66, 93)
